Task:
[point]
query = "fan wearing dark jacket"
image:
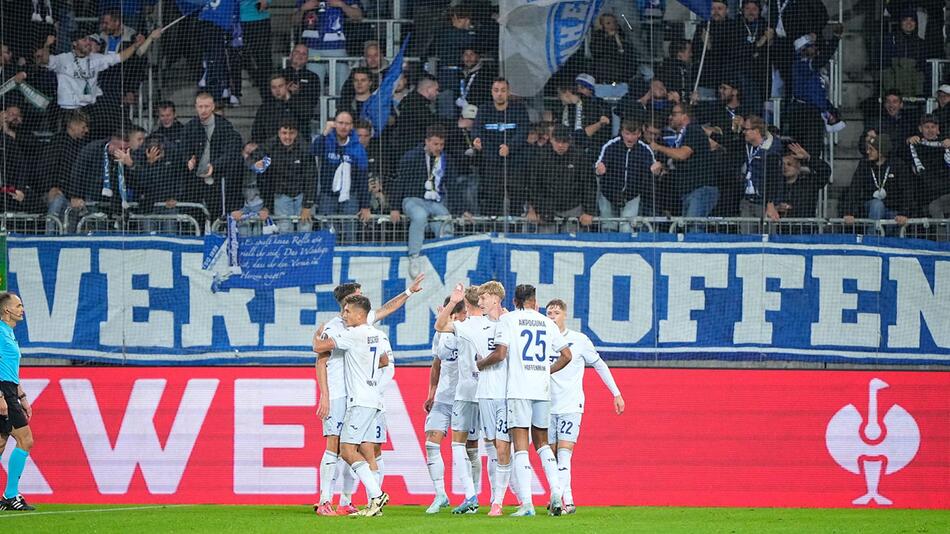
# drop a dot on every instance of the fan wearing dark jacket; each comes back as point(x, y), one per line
point(561, 183)
point(288, 183)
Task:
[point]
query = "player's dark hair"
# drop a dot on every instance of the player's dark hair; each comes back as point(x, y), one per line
point(557, 303)
point(342, 291)
point(5, 296)
point(360, 301)
point(523, 293)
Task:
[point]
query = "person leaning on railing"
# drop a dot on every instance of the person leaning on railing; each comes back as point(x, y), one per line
point(929, 153)
point(881, 186)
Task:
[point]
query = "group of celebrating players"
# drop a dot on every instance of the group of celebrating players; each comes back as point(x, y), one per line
point(516, 376)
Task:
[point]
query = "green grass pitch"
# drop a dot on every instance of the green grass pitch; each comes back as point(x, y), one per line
point(62, 519)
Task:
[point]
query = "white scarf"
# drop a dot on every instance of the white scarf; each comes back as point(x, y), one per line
point(342, 179)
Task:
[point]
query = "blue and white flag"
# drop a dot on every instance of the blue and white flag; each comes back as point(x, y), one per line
point(702, 8)
point(380, 104)
point(538, 36)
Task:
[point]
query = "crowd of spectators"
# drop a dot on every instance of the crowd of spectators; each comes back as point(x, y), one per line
point(682, 141)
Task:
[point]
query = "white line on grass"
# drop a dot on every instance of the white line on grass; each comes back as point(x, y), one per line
point(13, 513)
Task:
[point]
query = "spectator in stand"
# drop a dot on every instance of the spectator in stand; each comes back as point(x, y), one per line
point(688, 158)
point(212, 148)
point(720, 50)
point(561, 185)
point(373, 61)
point(279, 109)
point(169, 127)
point(98, 182)
point(943, 107)
point(44, 81)
point(805, 177)
point(654, 101)
point(344, 189)
point(810, 106)
point(791, 20)
point(256, 30)
point(459, 145)
point(753, 49)
point(322, 29)
point(894, 121)
point(217, 23)
point(416, 114)
point(501, 130)
point(379, 174)
point(63, 151)
point(584, 116)
point(453, 40)
point(473, 85)
point(286, 177)
point(612, 55)
point(930, 160)
point(676, 71)
point(904, 56)
point(626, 168)
point(133, 11)
point(303, 84)
point(420, 189)
point(880, 187)
point(727, 111)
point(77, 75)
point(113, 34)
point(363, 83)
point(159, 180)
point(760, 171)
point(14, 179)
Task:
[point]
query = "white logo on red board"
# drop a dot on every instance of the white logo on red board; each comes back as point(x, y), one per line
point(874, 446)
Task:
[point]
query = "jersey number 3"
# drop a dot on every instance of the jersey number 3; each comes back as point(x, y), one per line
point(535, 348)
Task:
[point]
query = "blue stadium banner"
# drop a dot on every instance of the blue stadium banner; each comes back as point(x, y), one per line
point(276, 260)
point(649, 297)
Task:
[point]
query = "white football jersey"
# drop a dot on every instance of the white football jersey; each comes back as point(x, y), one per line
point(473, 343)
point(528, 335)
point(444, 347)
point(493, 380)
point(386, 375)
point(363, 347)
point(567, 385)
point(335, 383)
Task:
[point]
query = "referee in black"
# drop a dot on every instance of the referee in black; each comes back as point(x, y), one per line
point(15, 409)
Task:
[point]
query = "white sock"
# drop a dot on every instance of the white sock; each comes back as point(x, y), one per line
point(476, 461)
point(549, 462)
point(492, 463)
point(564, 468)
point(327, 476)
point(522, 467)
point(368, 479)
point(350, 482)
point(436, 467)
point(513, 480)
point(500, 485)
point(463, 468)
point(380, 474)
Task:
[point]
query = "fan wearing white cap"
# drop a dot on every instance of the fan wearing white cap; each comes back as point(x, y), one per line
point(943, 107)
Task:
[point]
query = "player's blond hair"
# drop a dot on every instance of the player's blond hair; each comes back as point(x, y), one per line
point(471, 295)
point(492, 287)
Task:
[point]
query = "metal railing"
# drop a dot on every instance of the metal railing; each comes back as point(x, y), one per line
point(30, 223)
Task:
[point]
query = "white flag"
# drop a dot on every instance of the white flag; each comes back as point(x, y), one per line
point(538, 36)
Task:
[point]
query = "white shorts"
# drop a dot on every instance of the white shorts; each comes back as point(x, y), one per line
point(333, 422)
point(439, 418)
point(524, 413)
point(379, 429)
point(359, 425)
point(494, 417)
point(465, 418)
point(564, 427)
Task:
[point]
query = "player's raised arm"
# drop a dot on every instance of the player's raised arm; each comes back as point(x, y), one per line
point(399, 300)
point(444, 323)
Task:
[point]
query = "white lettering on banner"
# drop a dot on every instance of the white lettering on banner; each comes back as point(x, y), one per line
point(406, 459)
point(421, 309)
point(915, 299)
point(120, 328)
point(32, 481)
point(287, 330)
point(682, 300)
point(640, 298)
point(204, 306)
point(831, 272)
point(47, 323)
point(567, 265)
point(252, 437)
point(137, 443)
point(755, 270)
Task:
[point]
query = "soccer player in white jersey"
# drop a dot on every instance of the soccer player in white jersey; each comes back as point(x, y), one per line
point(522, 339)
point(443, 378)
point(492, 404)
point(366, 353)
point(473, 338)
point(332, 405)
point(567, 396)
